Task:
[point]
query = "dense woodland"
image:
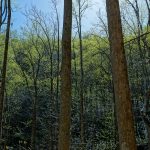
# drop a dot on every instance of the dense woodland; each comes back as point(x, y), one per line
point(69, 89)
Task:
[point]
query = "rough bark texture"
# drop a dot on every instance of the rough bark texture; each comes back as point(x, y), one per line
point(120, 78)
point(64, 124)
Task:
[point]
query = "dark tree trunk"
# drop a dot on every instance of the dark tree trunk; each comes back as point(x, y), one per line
point(4, 69)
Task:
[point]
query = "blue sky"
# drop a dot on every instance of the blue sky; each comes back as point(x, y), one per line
point(44, 5)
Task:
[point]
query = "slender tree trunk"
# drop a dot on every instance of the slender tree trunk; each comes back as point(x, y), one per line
point(2, 91)
point(65, 107)
point(0, 14)
point(81, 88)
point(58, 57)
point(145, 72)
point(34, 117)
point(58, 71)
point(53, 104)
point(3, 12)
point(81, 81)
point(75, 71)
point(33, 134)
point(120, 78)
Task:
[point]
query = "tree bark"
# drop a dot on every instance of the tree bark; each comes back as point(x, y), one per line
point(4, 69)
point(65, 107)
point(120, 78)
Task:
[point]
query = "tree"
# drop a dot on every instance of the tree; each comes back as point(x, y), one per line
point(58, 46)
point(65, 108)
point(3, 12)
point(120, 78)
point(4, 69)
point(82, 6)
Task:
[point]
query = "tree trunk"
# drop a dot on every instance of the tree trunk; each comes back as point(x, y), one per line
point(2, 91)
point(3, 12)
point(58, 57)
point(0, 14)
point(34, 116)
point(65, 107)
point(120, 78)
point(81, 81)
point(33, 135)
